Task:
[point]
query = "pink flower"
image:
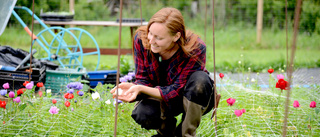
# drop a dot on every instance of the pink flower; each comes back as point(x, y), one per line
point(313, 104)
point(243, 110)
point(29, 85)
point(54, 110)
point(11, 94)
point(238, 113)
point(280, 76)
point(296, 104)
point(231, 101)
point(17, 100)
point(6, 85)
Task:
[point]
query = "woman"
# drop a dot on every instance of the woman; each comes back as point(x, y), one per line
point(170, 76)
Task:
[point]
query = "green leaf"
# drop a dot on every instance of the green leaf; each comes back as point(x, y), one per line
point(22, 107)
point(30, 103)
point(317, 110)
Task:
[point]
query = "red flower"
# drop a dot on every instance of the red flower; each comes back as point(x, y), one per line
point(3, 104)
point(68, 96)
point(3, 122)
point(78, 92)
point(39, 84)
point(231, 101)
point(221, 75)
point(296, 104)
point(25, 83)
point(40, 93)
point(20, 91)
point(270, 70)
point(67, 104)
point(54, 101)
point(313, 104)
point(282, 84)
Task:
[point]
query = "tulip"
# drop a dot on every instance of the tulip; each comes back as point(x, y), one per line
point(231, 101)
point(270, 71)
point(6, 85)
point(95, 96)
point(238, 113)
point(221, 75)
point(67, 104)
point(54, 110)
point(296, 104)
point(313, 104)
point(54, 101)
point(280, 76)
point(17, 100)
point(11, 94)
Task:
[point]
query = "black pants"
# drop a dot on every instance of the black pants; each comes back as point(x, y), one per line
point(197, 100)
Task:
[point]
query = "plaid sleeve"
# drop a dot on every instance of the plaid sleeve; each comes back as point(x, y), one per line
point(187, 66)
point(140, 69)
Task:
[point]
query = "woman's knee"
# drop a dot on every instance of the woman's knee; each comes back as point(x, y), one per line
point(147, 113)
point(199, 88)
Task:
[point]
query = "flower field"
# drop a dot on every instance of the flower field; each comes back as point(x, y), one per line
point(246, 109)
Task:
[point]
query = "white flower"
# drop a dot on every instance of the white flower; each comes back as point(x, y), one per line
point(95, 96)
point(253, 80)
point(239, 62)
point(108, 102)
point(48, 91)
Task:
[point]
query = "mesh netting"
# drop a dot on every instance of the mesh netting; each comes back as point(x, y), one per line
point(264, 114)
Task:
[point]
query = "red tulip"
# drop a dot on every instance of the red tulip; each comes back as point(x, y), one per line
point(25, 83)
point(313, 104)
point(231, 101)
point(238, 112)
point(54, 101)
point(296, 104)
point(20, 91)
point(3, 104)
point(270, 71)
point(67, 104)
point(221, 75)
point(39, 84)
point(282, 84)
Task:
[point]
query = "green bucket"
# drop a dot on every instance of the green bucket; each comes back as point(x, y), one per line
point(57, 80)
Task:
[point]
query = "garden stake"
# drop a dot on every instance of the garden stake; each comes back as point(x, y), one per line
point(290, 67)
point(118, 73)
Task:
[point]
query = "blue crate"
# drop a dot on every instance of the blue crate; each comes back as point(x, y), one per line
point(100, 76)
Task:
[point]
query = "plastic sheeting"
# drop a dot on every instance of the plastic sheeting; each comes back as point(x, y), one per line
point(6, 7)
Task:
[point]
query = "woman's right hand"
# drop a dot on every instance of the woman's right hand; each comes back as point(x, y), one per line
point(124, 86)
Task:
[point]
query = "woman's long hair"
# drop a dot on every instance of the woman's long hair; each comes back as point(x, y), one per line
point(173, 20)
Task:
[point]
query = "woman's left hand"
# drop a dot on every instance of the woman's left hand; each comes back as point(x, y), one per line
point(129, 92)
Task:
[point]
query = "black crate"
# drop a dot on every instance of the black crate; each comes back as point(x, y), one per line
point(17, 78)
point(56, 17)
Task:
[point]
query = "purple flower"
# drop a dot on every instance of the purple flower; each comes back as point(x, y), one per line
point(30, 85)
point(81, 93)
point(128, 78)
point(72, 109)
point(122, 79)
point(75, 85)
point(54, 110)
point(6, 85)
point(114, 102)
point(3, 92)
point(17, 100)
point(70, 91)
point(131, 74)
point(11, 94)
point(75, 101)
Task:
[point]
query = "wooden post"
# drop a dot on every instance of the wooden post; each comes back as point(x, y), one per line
point(71, 9)
point(259, 20)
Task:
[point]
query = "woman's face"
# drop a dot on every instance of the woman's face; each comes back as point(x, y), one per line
point(160, 38)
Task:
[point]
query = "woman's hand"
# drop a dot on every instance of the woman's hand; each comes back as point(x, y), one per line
point(129, 92)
